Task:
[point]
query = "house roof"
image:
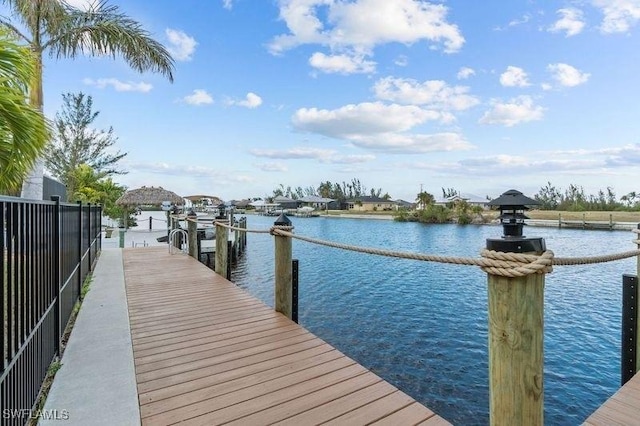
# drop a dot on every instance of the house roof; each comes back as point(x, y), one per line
point(148, 195)
point(315, 199)
point(283, 199)
point(469, 198)
point(369, 199)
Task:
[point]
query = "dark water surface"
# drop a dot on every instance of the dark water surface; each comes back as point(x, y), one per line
point(423, 326)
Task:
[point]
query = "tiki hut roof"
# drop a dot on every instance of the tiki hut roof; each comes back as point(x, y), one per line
point(148, 195)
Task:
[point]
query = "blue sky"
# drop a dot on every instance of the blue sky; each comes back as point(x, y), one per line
point(477, 96)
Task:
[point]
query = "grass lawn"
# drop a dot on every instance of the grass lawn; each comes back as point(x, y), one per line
point(588, 216)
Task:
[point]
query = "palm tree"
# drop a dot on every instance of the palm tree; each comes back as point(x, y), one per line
point(65, 31)
point(23, 131)
point(424, 199)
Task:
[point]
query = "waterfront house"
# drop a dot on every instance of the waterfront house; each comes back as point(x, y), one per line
point(286, 203)
point(472, 200)
point(368, 204)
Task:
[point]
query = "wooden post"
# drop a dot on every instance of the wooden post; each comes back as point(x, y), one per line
point(516, 350)
point(559, 220)
point(516, 325)
point(222, 235)
point(192, 229)
point(283, 269)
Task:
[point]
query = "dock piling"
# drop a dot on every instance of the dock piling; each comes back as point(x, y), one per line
point(283, 269)
point(221, 259)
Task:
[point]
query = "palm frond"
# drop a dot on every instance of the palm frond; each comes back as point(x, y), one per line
point(104, 30)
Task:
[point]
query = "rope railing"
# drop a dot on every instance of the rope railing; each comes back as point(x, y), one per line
point(497, 263)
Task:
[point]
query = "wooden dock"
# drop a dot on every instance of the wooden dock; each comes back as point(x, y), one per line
point(623, 408)
point(206, 352)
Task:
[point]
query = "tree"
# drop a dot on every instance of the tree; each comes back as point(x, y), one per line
point(65, 31)
point(76, 143)
point(23, 130)
point(424, 199)
point(95, 189)
point(549, 197)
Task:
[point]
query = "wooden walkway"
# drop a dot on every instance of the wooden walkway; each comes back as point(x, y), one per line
point(623, 408)
point(208, 353)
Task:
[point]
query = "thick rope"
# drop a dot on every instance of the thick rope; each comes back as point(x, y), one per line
point(492, 262)
point(236, 228)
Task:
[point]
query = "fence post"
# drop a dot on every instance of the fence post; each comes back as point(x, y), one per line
point(283, 268)
point(638, 313)
point(79, 263)
point(222, 235)
point(57, 269)
point(89, 237)
point(516, 324)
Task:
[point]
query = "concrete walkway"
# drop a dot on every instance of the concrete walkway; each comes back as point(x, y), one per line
point(96, 383)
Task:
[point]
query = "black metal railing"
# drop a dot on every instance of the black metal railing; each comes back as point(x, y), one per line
point(48, 250)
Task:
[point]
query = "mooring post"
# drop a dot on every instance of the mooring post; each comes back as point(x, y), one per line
point(283, 268)
point(192, 230)
point(516, 318)
point(150, 223)
point(222, 235)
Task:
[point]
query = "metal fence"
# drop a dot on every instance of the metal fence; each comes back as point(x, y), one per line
point(48, 249)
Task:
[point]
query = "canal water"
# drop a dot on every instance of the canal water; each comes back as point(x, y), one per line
point(423, 326)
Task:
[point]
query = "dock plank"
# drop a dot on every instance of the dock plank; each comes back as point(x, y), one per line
point(206, 353)
point(623, 408)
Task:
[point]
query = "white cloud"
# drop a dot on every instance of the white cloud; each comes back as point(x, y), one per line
point(343, 64)
point(401, 61)
point(566, 75)
point(571, 22)
point(399, 143)
point(465, 72)
point(619, 15)
point(181, 46)
point(380, 127)
point(432, 93)
point(119, 86)
point(272, 167)
point(514, 77)
point(227, 4)
point(307, 153)
point(360, 25)
point(296, 153)
point(198, 97)
point(251, 101)
point(365, 118)
point(516, 111)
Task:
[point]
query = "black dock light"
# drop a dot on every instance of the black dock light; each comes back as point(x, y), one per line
point(282, 220)
point(222, 213)
point(191, 214)
point(512, 205)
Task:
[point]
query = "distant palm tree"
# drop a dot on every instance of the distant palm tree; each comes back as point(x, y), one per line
point(65, 31)
point(23, 130)
point(424, 199)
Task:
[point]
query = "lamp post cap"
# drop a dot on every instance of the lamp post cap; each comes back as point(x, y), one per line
point(512, 198)
point(282, 220)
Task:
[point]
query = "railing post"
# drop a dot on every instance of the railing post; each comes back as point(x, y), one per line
point(79, 263)
point(516, 324)
point(638, 313)
point(283, 269)
point(222, 235)
point(89, 237)
point(57, 269)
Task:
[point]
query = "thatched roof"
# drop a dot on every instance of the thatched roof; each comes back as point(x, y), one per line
point(148, 195)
